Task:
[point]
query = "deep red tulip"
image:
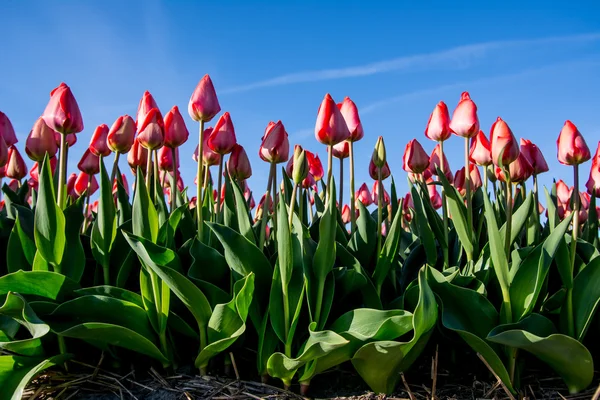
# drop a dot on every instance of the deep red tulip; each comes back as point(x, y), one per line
point(71, 139)
point(385, 171)
point(520, 170)
point(238, 164)
point(137, 156)
point(350, 113)
point(176, 132)
point(7, 132)
point(435, 163)
point(71, 186)
point(3, 152)
point(209, 157)
point(40, 141)
point(572, 149)
point(204, 105)
point(62, 112)
point(364, 195)
point(474, 179)
point(375, 194)
point(15, 167)
point(165, 158)
point(465, 122)
point(151, 134)
point(331, 128)
point(438, 126)
point(535, 157)
point(480, 152)
point(341, 150)
point(115, 188)
point(89, 163)
point(99, 143)
point(121, 134)
point(415, 159)
point(81, 184)
point(222, 138)
point(503, 143)
point(315, 167)
point(275, 146)
point(146, 104)
point(563, 192)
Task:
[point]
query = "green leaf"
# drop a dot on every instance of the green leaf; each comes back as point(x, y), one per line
point(285, 260)
point(244, 220)
point(324, 257)
point(458, 211)
point(21, 245)
point(144, 216)
point(46, 284)
point(569, 358)
point(423, 230)
point(49, 220)
point(105, 225)
point(16, 308)
point(16, 373)
point(389, 252)
point(364, 240)
point(73, 263)
point(586, 297)
point(208, 264)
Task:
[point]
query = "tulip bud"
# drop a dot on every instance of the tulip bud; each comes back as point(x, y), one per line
point(503, 143)
point(222, 138)
point(350, 113)
point(331, 128)
point(71, 186)
point(375, 194)
point(121, 134)
point(435, 162)
point(204, 105)
point(572, 149)
point(520, 170)
point(3, 152)
point(7, 132)
point(40, 141)
point(465, 122)
point(474, 179)
point(209, 157)
point(374, 174)
point(341, 150)
point(151, 131)
point(15, 167)
point(165, 158)
point(364, 195)
point(176, 132)
point(563, 192)
point(124, 183)
point(378, 156)
point(535, 157)
point(82, 181)
point(345, 214)
point(438, 126)
point(89, 163)
point(315, 168)
point(490, 173)
point(415, 159)
point(13, 185)
point(480, 152)
point(62, 112)
point(98, 143)
point(238, 164)
point(300, 171)
point(275, 146)
point(70, 140)
point(146, 104)
point(137, 156)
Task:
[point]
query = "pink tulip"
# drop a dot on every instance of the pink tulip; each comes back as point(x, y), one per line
point(176, 132)
point(415, 159)
point(315, 167)
point(89, 163)
point(121, 134)
point(375, 194)
point(7, 132)
point(331, 128)
point(165, 159)
point(505, 148)
point(345, 214)
point(364, 195)
point(99, 143)
point(137, 156)
point(71, 139)
point(374, 174)
point(520, 170)
point(238, 164)
point(222, 138)
point(438, 126)
point(572, 149)
point(563, 192)
point(81, 184)
point(474, 179)
point(40, 141)
point(115, 188)
point(534, 155)
point(151, 130)
point(465, 122)
point(146, 104)
point(350, 113)
point(275, 146)
point(593, 183)
point(15, 167)
point(71, 186)
point(435, 163)
point(209, 157)
point(62, 112)
point(34, 172)
point(341, 150)
point(480, 152)
point(204, 105)
point(3, 152)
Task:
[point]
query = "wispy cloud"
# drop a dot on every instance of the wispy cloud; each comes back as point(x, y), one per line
point(458, 57)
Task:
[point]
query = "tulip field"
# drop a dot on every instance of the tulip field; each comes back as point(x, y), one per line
point(480, 261)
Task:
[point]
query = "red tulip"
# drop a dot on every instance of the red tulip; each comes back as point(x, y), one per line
point(572, 149)
point(40, 141)
point(438, 126)
point(474, 179)
point(520, 170)
point(99, 143)
point(71, 186)
point(249, 198)
point(137, 156)
point(364, 195)
point(209, 157)
point(121, 134)
point(125, 185)
point(465, 122)
point(584, 201)
point(385, 171)
point(345, 214)
point(341, 150)
point(89, 163)
point(176, 132)
point(315, 168)
point(275, 146)
point(13, 185)
point(222, 138)
point(434, 195)
point(71, 139)
point(3, 152)
point(331, 128)
point(7, 132)
point(309, 182)
point(146, 104)
point(151, 131)
point(503, 143)
point(563, 192)
point(407, 205)
point(15, 167)
point(375, 194)
point(81, 184)
point(350, 113)
point(415, 159)
point(165, 158)
point(593, 183)
point(62, 112)
point(535, 157)
point(435, 163)
point(419, 177)
point(238, 164)
point(204, 105)
point(34, 171)
point(480, 152)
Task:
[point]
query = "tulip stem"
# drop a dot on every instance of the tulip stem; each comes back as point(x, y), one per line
point(62, 172)
point(576, 205)
point(200, 184)
point(468, 193)
point(156, 178)
point(274, 190)
point(509, 210)
point(265, 211)
point(115, 167)
point(174, 188)
point(219, 182)
point(302, 199)
point(148, 169)
point(87, 204)
point(536, 212)
point(379, 209)
point(341, 200)
point(444, 210)
point(292, 204)
point(352, 194)
point(329, 168)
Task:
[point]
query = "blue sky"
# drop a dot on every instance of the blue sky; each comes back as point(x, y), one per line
point(535, 67)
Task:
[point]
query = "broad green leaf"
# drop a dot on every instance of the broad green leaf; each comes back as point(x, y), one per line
point(458, 211)
point(104, 229)
point(123, 206)
point(46, 284)
point(144, 216)
point(285, 260)
point(324, 257)
point(389, 252)
point(244, 221)
point(16, 308)
point(16, 373)
point(73, 263)
point(423, 230)
point(21, 244)
point(49, 220)
point(111, 291)
point(364, 240)
point(586, 297)
point(208, 264)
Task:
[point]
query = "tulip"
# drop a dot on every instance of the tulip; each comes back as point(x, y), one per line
point(309, 182)
point(438, 126)
point(14, 184)
point(238, 164)
point(15, 167)
point(480, 151)
point(331, 127)
point(572, 149)
point(137, 157)
point(435, 163)
point(209, 157)
point(299, 165)
point(465, 122)
point(415, 159)
point(345, 214)
point(222, 139)
point(593, 183)
point(249, 198)
point(3, 152)
point(520, 170)
point(7, 132)
point(121, 134)
point(373, 171)
point(71, 186)
point(176, 133)
point(62, 112)
point(534, 156)
point(89, 163)
point(474, 178)
point(275, 146)
point(84, 182)
point(364, 195)
point(315, 168)
point(40, 141)
point(115, 188)
point(204, 105)
point(151, 130)
point(385, 198)
point(341, 150)
point(34, 171)
point(434, 196)
point(146, 104)
point(99, 143)
point(166, 160)
point(505, 148)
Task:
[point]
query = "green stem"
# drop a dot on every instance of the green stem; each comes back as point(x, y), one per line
point(203, 341)
point(156, 178)
point(319, 303)
point(536, 212)
point(575, 233)
point(174, 188)
point(274, 190)
point(87, 204)
point(303, 199)
point(509, 210)
point(115, 167)
point(341, 201)
point(468, 194)
point(219, 182)
point(444, 211)
point(329, 170)
point(148, 170)
point(106, 270)
point(352, 194)
point(265, 211)
point(62, 172)
point(379, 210)
point(292, 204)
point(200, 184)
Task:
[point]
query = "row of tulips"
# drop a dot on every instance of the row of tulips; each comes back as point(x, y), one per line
point(309, 282)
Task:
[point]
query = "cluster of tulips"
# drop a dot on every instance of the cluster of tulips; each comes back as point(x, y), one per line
point(308, 283)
